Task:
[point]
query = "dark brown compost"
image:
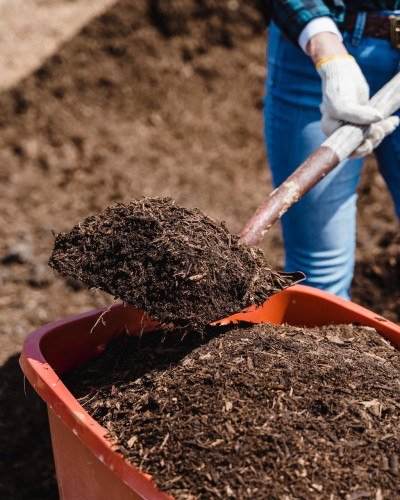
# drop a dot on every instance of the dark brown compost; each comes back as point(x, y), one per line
point(177, 264)
point(258, 412)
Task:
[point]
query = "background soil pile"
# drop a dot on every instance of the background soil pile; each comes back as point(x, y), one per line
point(155, 98)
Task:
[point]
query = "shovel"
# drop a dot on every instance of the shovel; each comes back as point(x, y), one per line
point(181, 267)
point(336, 148)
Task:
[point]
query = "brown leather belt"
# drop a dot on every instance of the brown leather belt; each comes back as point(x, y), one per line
point(376, 26)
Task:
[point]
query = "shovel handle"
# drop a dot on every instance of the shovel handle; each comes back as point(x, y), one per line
point(331, 152)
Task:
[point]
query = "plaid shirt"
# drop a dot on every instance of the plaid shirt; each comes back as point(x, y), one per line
point(292, 15)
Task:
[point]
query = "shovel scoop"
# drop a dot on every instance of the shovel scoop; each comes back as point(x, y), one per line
point(177, 264)
point(180, 266)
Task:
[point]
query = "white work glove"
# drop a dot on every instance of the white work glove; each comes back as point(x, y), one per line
point(345, 96)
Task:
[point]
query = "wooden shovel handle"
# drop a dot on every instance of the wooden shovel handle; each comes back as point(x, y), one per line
point(335, 149)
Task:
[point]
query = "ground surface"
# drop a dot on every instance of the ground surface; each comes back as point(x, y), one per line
point(137, 102)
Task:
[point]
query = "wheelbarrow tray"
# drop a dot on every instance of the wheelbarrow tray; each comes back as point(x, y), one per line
point(87, 463)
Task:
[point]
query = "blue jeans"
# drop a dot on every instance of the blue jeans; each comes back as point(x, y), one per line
point(319, 230)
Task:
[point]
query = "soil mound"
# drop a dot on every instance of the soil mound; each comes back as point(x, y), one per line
point(176, 264)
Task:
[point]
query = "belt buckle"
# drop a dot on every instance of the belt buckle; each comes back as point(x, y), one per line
point(395, 32)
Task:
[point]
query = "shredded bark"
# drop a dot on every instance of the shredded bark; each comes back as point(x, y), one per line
point(257, 412)
point(177, 264)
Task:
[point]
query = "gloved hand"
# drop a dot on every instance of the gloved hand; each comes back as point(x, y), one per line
point(345, 95)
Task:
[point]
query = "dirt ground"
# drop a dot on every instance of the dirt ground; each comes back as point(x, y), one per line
point(154, 98)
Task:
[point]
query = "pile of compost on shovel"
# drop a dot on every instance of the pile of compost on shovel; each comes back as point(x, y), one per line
point(176, 264)
point(256, 412)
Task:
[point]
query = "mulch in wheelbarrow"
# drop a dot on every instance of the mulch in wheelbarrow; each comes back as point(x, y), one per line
point(177, 264)
point(253, 412)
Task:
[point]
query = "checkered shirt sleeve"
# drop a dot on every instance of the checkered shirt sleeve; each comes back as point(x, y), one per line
point(291, 16)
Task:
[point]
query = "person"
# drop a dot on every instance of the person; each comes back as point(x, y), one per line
point(324, 61)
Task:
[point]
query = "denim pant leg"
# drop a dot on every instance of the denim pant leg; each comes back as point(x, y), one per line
point(319, 230)
point(380, 62)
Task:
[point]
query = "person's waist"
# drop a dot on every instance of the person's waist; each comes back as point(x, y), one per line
point(384, 25)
